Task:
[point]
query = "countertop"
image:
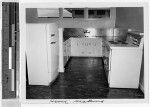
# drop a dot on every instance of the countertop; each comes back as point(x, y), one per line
point(120, 46)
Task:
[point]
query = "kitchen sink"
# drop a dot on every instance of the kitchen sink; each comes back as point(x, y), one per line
point(118, 42)
point(114, 42)
point(124, 43)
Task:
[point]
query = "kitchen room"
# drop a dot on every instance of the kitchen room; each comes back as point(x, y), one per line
point(43, 93)
point(84, 38)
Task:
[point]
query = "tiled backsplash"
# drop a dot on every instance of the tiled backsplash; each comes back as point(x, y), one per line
point(109, 33)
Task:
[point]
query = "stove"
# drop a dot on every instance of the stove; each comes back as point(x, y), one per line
point(122, 61)
point(132, 40)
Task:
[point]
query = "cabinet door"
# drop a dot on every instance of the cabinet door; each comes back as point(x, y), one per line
point(37, 54)
point(53, 50)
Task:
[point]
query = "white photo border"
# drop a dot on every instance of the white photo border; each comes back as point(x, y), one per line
point(22, 16)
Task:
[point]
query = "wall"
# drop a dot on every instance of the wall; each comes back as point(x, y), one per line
point(131, 17)
point(107, 33)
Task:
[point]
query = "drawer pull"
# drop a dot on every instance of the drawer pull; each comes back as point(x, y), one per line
point(52, 35)
point(53, 42)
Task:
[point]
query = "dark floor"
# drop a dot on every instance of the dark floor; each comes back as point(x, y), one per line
point(84, 78)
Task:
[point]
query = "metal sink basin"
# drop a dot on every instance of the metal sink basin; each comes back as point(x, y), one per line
point(113, 42)
point(124, 43)
point(118, 42)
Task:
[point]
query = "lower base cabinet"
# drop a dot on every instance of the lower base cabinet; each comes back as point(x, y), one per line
point(123, 67)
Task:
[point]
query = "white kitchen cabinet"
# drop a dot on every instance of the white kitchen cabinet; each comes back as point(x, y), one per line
point(42, 53)
point(122, 67)
point(86, 47)
point(122, 61)
point(125, 67)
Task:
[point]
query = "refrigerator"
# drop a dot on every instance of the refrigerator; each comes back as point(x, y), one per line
point(42, 50)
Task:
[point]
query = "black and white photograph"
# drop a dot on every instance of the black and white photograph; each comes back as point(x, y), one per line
point(97, 62)
point(74, 52)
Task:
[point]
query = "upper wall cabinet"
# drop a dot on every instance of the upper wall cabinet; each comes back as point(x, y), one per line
point(67, 13)
point(98, 13)
point(86, 13)
point(73, 13)
point(48, 12)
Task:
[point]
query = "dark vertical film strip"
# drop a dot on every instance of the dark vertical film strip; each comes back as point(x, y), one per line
point(9, 48)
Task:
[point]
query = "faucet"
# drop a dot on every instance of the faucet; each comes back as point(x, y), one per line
point(86, 31)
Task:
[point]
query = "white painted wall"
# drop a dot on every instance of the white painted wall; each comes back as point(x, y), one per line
point(86, 47)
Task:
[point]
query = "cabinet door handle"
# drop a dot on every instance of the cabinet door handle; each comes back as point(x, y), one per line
point(53, 42)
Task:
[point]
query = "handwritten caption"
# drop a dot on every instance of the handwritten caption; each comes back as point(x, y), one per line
point(75, 101)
